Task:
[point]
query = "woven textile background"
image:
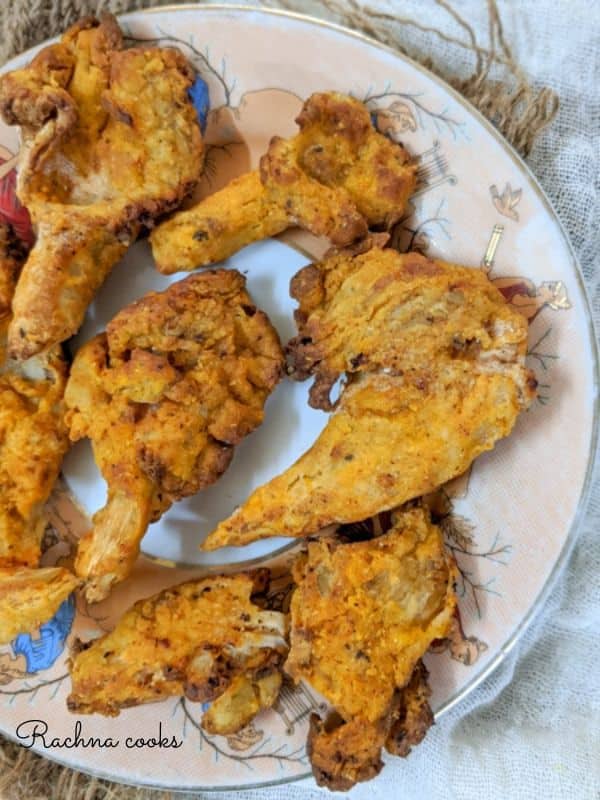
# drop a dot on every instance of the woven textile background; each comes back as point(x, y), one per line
point(532, 730)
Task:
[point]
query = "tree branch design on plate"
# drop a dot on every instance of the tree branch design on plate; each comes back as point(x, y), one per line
point(418, 236)
point(459, 534)
point(282, 754)
point(406, 112)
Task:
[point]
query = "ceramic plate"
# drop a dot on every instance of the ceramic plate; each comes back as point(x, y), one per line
point(513, 516)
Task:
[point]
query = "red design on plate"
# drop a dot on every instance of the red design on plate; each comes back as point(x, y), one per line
point(11, 210)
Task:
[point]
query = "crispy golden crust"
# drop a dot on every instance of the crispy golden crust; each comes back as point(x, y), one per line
point(33, 442)
point(111, 141)
point(402, 315)
point(435, 364)
point(363, 614)
point(343, 754)
point(205, 639)
point(30, 597)
point(179, 378)
point(336, 178)
point(217, 227)
point(339, 147)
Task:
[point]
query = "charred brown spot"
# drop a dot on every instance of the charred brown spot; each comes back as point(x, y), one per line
point(383, 282)
point(173, 673)
point(391, 185)
point(307, 286)
point(419, 266)
point(469, 348)
point(319, 393)
point(411, 715)
point(341, 754)
point(123, 116)
point(386, 480)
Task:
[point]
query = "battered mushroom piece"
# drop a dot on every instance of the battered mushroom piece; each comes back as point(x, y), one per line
point(177, 380)
point(434, 361)
point(110, 141)
point(362, 616)
point(336, 178)
point(33, 442)
point(341, 755)
point(205, 639)
point(30, 597)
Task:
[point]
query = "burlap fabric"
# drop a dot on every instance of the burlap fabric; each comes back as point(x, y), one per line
point(532, 730)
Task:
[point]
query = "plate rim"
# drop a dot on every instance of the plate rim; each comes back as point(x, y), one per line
point(593, 457)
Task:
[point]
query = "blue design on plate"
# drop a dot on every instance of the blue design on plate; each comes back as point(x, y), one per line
point(42, 651)
point(199, 96)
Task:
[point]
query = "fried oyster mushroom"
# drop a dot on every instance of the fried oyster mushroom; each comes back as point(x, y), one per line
point(336, 178)
point(110, 141)
point(362, 616)
point(178, 379)
point(434, 360)
point(205, 639)
point(30, 597)
point(33, 442)
point(33, 434)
